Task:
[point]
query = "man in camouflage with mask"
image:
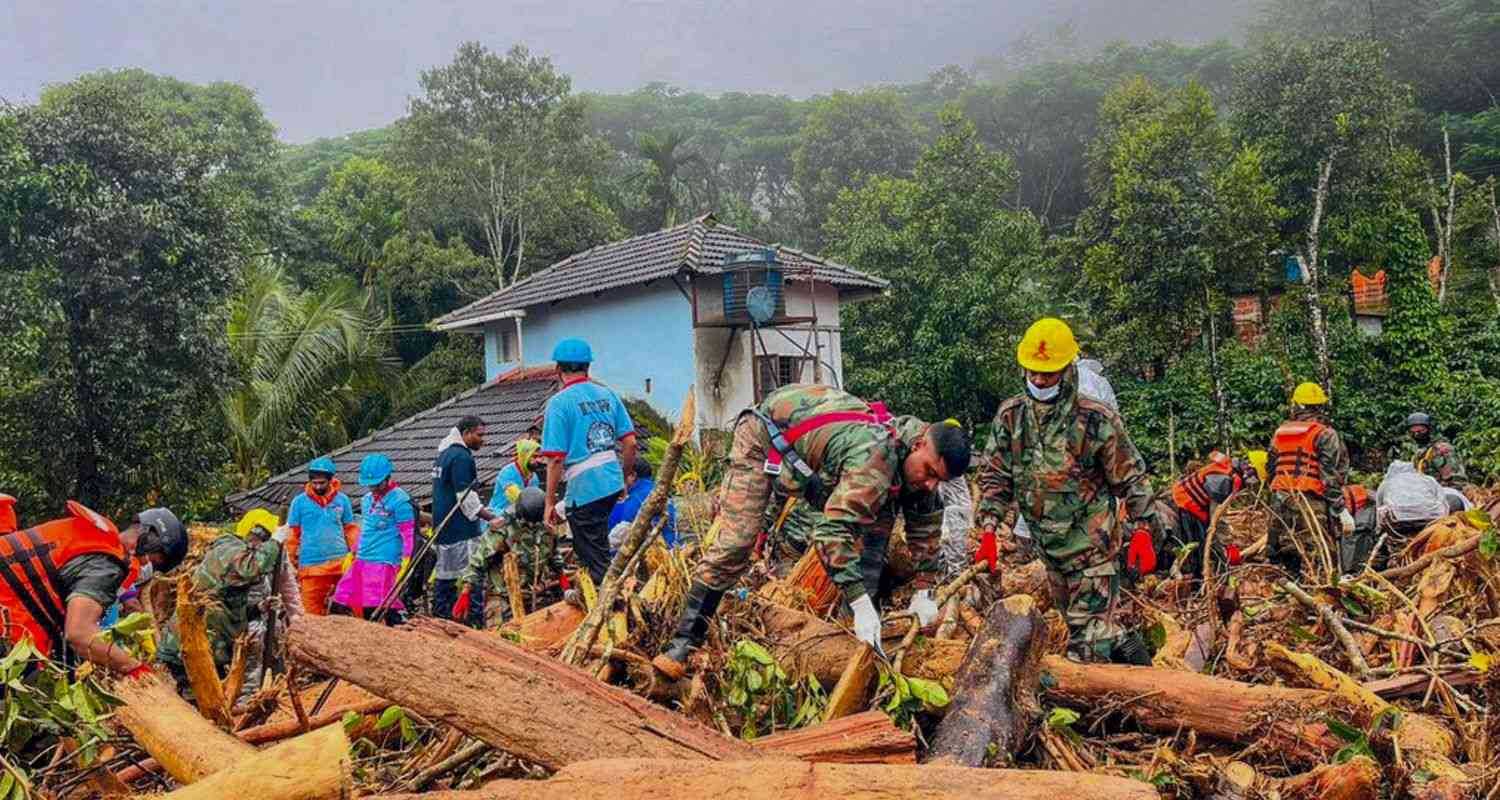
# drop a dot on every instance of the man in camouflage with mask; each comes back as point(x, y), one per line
point(1060, 457)
point(519, 529)
point(855, 464)
point(1429, 452)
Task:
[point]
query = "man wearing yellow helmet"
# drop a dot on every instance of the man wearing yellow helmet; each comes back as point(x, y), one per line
point(1309, 467)
point(1196, 496)
point(1064, 460)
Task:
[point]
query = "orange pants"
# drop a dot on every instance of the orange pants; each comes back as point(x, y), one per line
point(317, 584)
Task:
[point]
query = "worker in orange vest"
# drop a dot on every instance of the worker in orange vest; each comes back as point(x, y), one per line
point(1197, 496)
point(1309, 468)
point(57, 578)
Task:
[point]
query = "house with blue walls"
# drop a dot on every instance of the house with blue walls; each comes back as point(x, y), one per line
point(698, 304)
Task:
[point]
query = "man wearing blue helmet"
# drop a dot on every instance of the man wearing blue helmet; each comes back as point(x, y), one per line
point(589, 442)
point(323, 533)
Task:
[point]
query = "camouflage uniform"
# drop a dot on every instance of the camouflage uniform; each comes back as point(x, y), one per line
point(1061, 463)
point(231, 572)
point(859, 465)
point(1288, 528)
point(536, 552)
point(1437, 459)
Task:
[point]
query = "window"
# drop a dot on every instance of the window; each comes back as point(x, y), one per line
point(509, 352)
point(773, 372)
point(648, 386)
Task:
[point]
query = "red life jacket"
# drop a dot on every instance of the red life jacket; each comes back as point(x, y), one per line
point(1356, 498)
point(1296, 447)
point(7, 514)
point(1191, 495)
point(31, 604)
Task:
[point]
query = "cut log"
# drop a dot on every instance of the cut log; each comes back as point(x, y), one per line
point(853, 687)
point(994, 702)
point(313, 766)
point(806, 645)
point(1167, 701)
point(514, 699)
point(1355, 779)
point(198, 657)
point(182, 741)
point(546, 628)
point(512, 572)
point(867, 738)
point(623, 779)
point(807, 582)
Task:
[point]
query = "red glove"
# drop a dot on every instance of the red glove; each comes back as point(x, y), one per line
point(141, 671)
point(563, 582)
point(1233, 552)
point(989, 550)
point(1141, 556)
point(461, 606)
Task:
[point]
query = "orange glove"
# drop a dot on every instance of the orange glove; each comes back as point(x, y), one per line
point(461, 606)
point(989, 550)
point(1141, 556)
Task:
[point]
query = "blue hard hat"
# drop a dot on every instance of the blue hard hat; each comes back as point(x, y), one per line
point(322, 464)
point(375, 468)
point(573, 351)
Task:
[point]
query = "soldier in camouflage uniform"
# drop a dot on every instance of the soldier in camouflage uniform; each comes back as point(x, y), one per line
point(1060, 456)
point(518, 529)
point(848, 459)
point(1309, 467)
point(232, 577)
point(1430, 455)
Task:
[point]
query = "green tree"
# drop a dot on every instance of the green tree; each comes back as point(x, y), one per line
point(847, 139)
point(667, 157)
point(362, 207)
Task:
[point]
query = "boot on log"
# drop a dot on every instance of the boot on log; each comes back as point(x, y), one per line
point(994, 700)
point(627, 779)
point(313, 766)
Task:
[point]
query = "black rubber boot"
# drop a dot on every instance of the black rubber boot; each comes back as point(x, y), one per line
point(1131, 648)
point(692, 626)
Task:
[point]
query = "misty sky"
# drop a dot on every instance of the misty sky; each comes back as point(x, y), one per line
point(327, 67)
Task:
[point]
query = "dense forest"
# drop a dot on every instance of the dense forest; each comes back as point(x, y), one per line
point(191, 305)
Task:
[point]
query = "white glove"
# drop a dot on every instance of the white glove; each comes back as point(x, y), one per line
point(281, 534)
point(867, 623)
point(924, 607)
point(1346, 520)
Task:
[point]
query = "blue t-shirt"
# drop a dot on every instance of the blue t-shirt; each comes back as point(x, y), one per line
point(628, 509)
point(582, 424)
point(322, 528)
point(379, 540)
point(509, 476)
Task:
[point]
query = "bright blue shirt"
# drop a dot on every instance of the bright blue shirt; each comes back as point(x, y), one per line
point(322, 528)
point(379, 537)
point(628, 509)
point(509, 476)
point(582, 424)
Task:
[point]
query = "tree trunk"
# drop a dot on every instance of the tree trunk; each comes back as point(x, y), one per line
point(1314, 275)
point(198, 657)
point(1167, 701)
point(1221, 403)
point(516, 700)
point(1355, 779)
point(546, 628)
point(312, 766)
point(806, 645)
point(623, 779)
point(185, 744)
point(994, 702)
point(867, 738)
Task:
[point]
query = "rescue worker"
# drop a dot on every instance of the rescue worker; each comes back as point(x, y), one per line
point(1196, 496)
point(8, 522)
point(517, 473)
point(1431, 455)
point(1309, 468)
point(232, 581)
point(1355, 550)
point(519, 530)
point(582, 426)
point(387, 534)
point(323, 533)
point(57, 578)
point(638, 486)
point(855, 463)
point(459, 512)
point(1059, 456)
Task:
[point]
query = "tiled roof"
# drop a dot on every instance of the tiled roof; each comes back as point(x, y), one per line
point(508, 405)
point(697, 247)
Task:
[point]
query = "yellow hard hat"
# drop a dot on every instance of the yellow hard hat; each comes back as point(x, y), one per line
point(1258, 459)
point(1048, 346)
point(1309, 394)
point(256, 518)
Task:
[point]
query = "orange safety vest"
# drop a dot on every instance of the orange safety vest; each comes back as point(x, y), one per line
point(1356, 498)
point(1191, 495)
point(31, 604)
point(1296, 447)
point(7, 514)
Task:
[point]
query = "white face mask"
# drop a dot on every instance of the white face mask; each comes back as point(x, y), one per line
point(147, 571)
point(1046, 395)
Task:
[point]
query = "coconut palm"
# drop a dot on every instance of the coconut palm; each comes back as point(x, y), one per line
point(661, 175)
point(304, 360)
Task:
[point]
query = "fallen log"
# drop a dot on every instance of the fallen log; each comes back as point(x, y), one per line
point(1167, 700)
point(866, 738)
point(1451, 551)
point(619, 779)
point(313, 766)
point(516, 700)
point(198, 658)
point(547, 627)
point(1355, 779)
point(183, 742)
point(994, 702)
point(806, 645)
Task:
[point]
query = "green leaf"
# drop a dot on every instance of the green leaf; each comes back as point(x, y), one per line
point(1353, 607)
point(351, 718)
point(737, 697)
point(408, 731)
point(1303, 634)
point(1489, 543)
point(1059, 718)
point(389, 717)
point(753, 651)
point(7, 781)
point(753, 681)
point(1343, 730)
point(931, 693)
point(1157, 636)
point(1479, 518)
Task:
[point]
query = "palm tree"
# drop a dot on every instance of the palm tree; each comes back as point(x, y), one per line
point(304, 360)
point(661, 174)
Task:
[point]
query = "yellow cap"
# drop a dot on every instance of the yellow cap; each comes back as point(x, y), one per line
point(1258, 459)
point(1309, 394)
point(256, 518)
point(1048, 346)
point(525, 449)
